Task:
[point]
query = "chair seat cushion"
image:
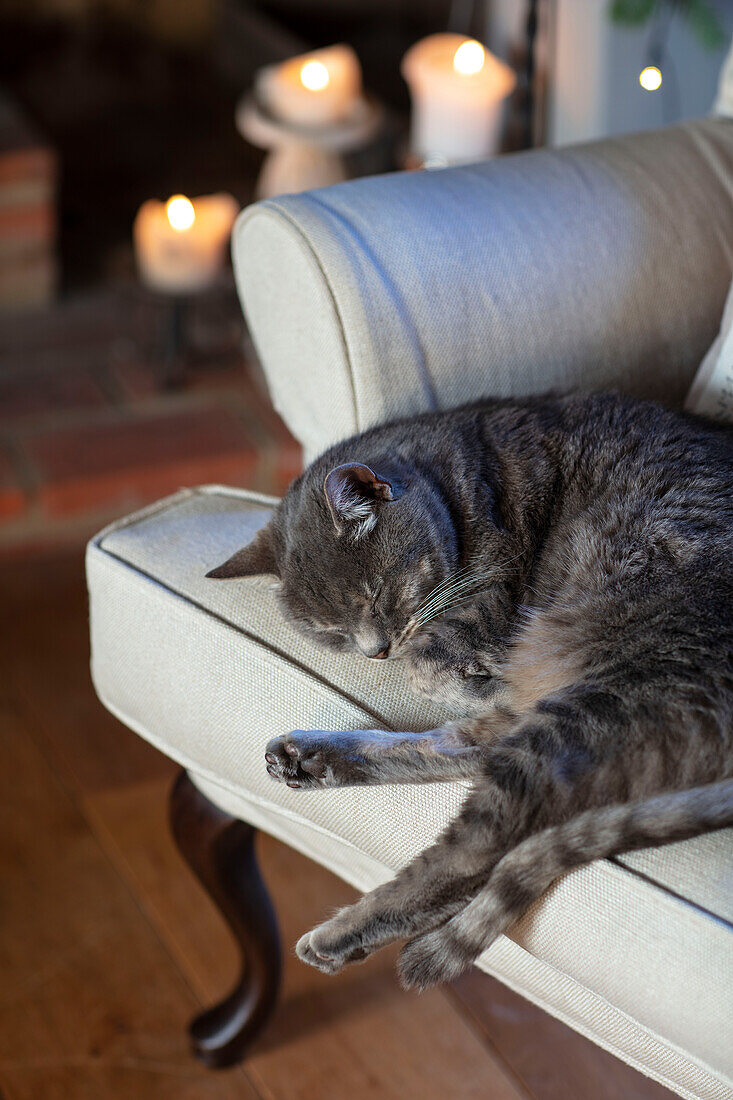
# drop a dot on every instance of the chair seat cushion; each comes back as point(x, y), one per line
point(636, 952)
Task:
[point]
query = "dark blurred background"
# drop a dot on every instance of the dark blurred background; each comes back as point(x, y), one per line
point(137, 97)
point(107, 103)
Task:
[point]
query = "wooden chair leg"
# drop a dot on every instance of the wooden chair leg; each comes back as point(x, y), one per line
point(219, 849)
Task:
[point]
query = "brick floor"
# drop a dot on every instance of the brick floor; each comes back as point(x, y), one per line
point(134, 460)
point(89, 430)
point(13, 499)
point(34, 394)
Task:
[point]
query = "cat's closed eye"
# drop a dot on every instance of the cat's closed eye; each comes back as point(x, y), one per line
point(375, 596)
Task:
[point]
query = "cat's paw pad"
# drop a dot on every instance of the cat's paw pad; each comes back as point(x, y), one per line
point(307, 953)
point(294, 762)
point(328, 949)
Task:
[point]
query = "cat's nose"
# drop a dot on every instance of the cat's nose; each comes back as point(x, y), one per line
point(376, 651)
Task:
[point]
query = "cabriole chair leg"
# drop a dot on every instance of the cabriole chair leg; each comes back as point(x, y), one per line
point(219, 849)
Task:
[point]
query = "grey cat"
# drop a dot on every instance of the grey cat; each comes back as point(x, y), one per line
point(558, 571)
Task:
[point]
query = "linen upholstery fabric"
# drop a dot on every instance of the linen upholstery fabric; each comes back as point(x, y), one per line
point(588, 266)
point(637, 953)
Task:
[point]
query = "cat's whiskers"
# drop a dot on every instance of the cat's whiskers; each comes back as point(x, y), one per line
point(469, 583)
point(437, 598)
point(460, 586)
point(448, 581)
point(454, 597)
point(456, 582)
point(433, 600)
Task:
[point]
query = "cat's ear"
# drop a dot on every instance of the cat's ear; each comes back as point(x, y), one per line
point(254, 559)
point(353, 492)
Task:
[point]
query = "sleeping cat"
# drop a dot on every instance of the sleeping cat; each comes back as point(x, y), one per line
point(559, 572)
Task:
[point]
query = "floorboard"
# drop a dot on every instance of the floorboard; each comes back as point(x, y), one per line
point(553, 1061)
point(46, 655)
point(91, 1002)
point(357, 1034)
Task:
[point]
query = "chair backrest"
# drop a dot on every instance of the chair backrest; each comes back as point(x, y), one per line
point(595, 266)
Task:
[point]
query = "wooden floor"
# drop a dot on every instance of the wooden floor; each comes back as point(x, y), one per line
point(108, 945)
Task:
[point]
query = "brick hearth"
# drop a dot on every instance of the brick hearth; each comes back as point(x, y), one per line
point(89, 428)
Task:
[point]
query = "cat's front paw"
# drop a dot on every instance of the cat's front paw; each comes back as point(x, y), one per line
point(444, 666)
point(329, 947)
point(313, 759)
point(296, 760)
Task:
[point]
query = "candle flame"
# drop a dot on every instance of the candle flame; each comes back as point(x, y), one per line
point(469, 58)
point(650, 78)
point(181, 213)
point(314, 75)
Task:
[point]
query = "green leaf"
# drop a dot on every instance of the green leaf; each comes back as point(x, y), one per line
point(701, 16)
point(705, 24)
point(631, 13)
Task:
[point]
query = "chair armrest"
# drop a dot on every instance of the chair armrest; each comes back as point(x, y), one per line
point(592, 266)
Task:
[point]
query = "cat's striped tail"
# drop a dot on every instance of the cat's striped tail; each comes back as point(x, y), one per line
point(527, 870)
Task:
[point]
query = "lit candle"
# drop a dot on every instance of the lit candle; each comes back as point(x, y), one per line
point(457, 89)
point(180, 245)
point(315, 89)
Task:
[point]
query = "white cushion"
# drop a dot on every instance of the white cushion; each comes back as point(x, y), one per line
point(593, 266)
point(636, 953)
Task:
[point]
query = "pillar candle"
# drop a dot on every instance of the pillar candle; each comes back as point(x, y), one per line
point(457, 88)
point(180, 245)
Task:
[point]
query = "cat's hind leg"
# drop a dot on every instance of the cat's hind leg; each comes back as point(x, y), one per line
point(432, 888)
point(527, 871)
point(318, 758)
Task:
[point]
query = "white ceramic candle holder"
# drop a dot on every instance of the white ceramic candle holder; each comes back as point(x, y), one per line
point(304, 157)
point(457, 89)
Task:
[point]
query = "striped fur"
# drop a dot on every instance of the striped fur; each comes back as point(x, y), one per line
point(557, 572)
point(526, 871)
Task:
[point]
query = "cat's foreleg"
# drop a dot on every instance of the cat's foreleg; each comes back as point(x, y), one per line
point(428, 891)
point(456, 663)
point(319, 758)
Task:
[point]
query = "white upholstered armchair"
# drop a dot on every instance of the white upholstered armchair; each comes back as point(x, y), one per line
point(599, 266)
